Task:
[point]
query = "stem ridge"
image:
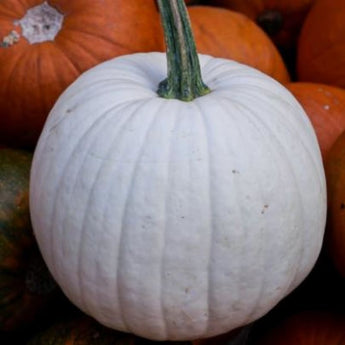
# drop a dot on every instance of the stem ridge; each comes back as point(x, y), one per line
point(184, 81)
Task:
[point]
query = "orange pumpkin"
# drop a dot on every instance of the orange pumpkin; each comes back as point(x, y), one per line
point(281, 19)
point(335, 176)
point(307, 328)
point(321, 47)
point(325, 107)
point(228, 34)
point(45, 45)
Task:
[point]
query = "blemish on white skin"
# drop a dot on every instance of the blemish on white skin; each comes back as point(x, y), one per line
point(265, 207)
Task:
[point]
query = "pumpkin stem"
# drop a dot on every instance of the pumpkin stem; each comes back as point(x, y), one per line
point(271, 21)
point(184, 81)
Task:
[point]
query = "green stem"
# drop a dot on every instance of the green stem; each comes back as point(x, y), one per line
point(184, 81)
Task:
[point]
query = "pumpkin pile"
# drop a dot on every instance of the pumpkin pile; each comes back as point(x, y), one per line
point(172, 171)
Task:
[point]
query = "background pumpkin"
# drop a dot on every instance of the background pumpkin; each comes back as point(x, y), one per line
point(335, 174)
point(325, 107)
point(307, 328)
point(226, 34)
point(235, 337)
point(281, 19)
point(34, 74)
point(82, 330)
point(26, 287)
point(119, 171)
point(321, 46)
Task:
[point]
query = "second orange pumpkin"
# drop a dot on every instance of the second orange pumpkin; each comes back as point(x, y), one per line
point(335, 175)
point(307, 328)
point(281, 19)
point(325, 107)
point(228, 34)
point(321, 46)
point(45, 45)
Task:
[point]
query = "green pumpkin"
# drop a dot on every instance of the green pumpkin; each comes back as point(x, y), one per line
point(25, 284)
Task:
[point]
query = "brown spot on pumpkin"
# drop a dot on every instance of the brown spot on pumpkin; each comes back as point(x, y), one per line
point(264, 209)
point(72, 108)
point(342, 206)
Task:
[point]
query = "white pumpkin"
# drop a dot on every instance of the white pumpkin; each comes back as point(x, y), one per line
point(177, 220)
point(171, 219)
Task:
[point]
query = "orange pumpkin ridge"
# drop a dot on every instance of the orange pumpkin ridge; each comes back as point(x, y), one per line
point(281, 19)
point(321, 48)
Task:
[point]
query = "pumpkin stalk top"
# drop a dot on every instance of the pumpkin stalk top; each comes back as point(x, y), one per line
point(184, 81)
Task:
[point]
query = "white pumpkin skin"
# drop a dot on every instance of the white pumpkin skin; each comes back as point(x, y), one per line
point(177, 220)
